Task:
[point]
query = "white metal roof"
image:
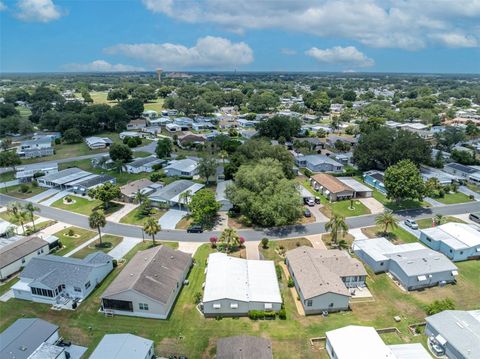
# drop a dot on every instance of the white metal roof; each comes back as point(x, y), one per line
point(241, 279)
point(455, 235)
point(122, 346)
point(358, 342)
point(409, 351)
point(354, 184)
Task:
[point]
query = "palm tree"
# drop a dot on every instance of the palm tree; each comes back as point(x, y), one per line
point(18, 214)
point(207, 167)
point(336, 225)
point(151, 227)
point(96, 221)
point(438, 219)
point(184, 198)
point(230, 238)
point(118, 165)
point(386, 219)
point(30, 208)
point(223, 154)
point(140, 197)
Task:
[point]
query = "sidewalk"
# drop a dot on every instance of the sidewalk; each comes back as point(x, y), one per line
point(57, 227)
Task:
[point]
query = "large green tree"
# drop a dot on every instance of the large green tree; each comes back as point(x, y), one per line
point(105, 193)
point(279, 127)
point(9, 159)
point(207, 167)
point(164, 148)
point(403, 181)
point(264, 195)
point(119, 151)
point(204, 207)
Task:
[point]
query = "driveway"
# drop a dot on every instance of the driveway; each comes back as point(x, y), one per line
point(372, 204)
point(415, 232)
point(252, 250)
point(41, 196)
point(317, 241)
point(124, 247)
point(56, 197)
point(319, 216)
point(118, 215)
point(189, 247)
point(469, 192)
point(432, 202)
point(357, 233)
point(170, 219)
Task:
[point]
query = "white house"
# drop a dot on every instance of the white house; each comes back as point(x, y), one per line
point(95, 143)
point(181, 168)
point(173, 127)
point(126, 134)
point(143, 164)
point(235, 286)
point(27, 173)
point(124, 346)
point(40, 147)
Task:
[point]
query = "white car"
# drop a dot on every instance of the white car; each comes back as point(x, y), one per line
point(411, 223)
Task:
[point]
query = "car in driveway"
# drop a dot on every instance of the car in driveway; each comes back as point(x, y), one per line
point(411, 223)
point(309, 201)
point(195, 228)
point(307, 213)
point(475, 217)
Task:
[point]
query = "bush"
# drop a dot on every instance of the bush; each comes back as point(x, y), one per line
point(264, 243)
point(290, 283)
point(71, 232)
point(34, 184)
point(279, 271)
point(114, 263)
point(282, 314)
point(307, 173)
point(24, 188)
point(439, 306)
point(58, 141)
point(155, 177)
point(197, 297)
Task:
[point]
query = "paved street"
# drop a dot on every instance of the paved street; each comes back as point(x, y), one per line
point(250, 235)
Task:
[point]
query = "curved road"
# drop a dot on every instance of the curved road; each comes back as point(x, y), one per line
point(126, 230)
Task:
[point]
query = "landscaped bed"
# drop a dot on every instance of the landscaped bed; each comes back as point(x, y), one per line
point(71, 238)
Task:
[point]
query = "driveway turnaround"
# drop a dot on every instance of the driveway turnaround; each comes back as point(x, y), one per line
point(124, 247)
point(170, 219)
point(41, 196)
point(54, 198)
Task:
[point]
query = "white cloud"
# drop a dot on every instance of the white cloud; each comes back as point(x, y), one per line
point(407, 24)
point(341, 56)
point(457, 40)
point(288, 52)
point(2, 6)
point(38, 10)
point(208, 52)
point(101, 66)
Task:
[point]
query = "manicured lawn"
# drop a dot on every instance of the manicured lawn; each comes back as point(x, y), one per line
point(7, 176)
point(274, 248)
point(452, 198)
point(107, 238)
point(137, 154)
point(14, 191)
point(398, 235)
point(427, 222)
point(343, 208)
point(85, 206)
point(186, 332)
point(327, 239)
point(473, 188)
point(69, 243)
point(135, 217)
point(7, 217)
point(4, 287)
point(157, 105)
point(66, 151)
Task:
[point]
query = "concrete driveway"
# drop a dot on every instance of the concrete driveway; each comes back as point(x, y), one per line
point(56, 197)
point(170, 219)
point(319, 216)
point(124, 247)
point(118, 215)
point(372, 204)
point(415, 232)
point(41, 196)
point(189, 247)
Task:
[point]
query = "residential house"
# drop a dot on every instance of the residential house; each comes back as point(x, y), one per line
point(331, 187)
point(173, 127)
point(332, 139)
point(171, 194)
point(158, 122)
point(124, 346)
point(359, 189)
point(138, 124)
point(74, 179)
point(31, 338)
point(324, 279)
point(235, 286)
point(82, 185)
point(318, 163)
point(96, 143)
point(181, 168)
point(461, 171)
point(54, 279)
point(376, 180)
point(413, 265)
point(40, 147)
point(221, 197)
point(190, 139)
point(150, 114)
point(144, 186)
point(443, 178)
point(143, 164)
point(27, 173)
point(458, 241)
point(246, 123)
point(455, 332)
point(357, 342)
point(103, 162)
point(16, 255)
point(149, 284)
point(125, 134)
point(243, 347)
point(185, 123)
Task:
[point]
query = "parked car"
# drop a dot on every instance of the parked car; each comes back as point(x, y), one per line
point(309, 201)
point(307, 213)
point(317, 200)
point(195, 228)
point(475, 217)
point(411, 223)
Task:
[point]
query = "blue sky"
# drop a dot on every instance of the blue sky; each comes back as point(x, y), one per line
point(252, 35)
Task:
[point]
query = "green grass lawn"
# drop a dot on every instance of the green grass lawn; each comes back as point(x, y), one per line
point(427, 222)
point(452, 198)
point(85, 206)
point(4, 287)
point(473, 188)
point(107, 238)
point(186, 332)
point(41, 226)
point(343, 208)
point(24, 112)
point(66, 151)
point(69, 243)
point(15, 191)
point(7, 176)
point(137, 154)
point(398, 235)
point(275, 247)
point(8, 217)
point(135, 217)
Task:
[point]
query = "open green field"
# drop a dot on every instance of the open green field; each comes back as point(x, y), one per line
point(186, 332)
point(135, 217)
point(453, 198)
point(107, 238)
point(427, 222)
point(15, 191)
point(85, 206)
point(100, 97)
point(69, 243)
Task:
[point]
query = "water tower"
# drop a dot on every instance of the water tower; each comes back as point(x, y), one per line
point(159, 74)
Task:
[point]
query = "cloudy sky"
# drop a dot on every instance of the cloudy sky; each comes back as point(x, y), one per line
point(248, 35)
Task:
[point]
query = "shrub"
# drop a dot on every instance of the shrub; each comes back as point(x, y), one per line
point(155, 177)
point(290, 283)
point(279, 271)
point(34, 184)
point(439, 306)
point(197, 297)
point(264, 243)
point(308, 173)
point(282, 314)
point(114, 263)
point(24, 188)
point(71, 232)
point(58, 141)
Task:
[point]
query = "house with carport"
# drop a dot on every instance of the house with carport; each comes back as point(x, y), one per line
point(331, 187)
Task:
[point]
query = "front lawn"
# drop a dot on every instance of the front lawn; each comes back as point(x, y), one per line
point(184, 223)
point(9, 218)
point(85, 206)
point(17, 191)
point(276, 249)
point(327, 239)
point(398, 235)
point(92, 247)
point(136, 217)
point(427, 222)
point(453, 198)
point(343, 208)
point(68, 242)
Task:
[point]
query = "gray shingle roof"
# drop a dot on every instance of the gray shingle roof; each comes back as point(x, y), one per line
point(19, 249)
point(142, 161)
point(171, 190)
point(94, 181)
point(244, 347)
point(462, 168)
point(421, 261)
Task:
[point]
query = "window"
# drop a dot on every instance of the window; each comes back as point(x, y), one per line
point(77, 289)
point(381, 263)
point(234, 305)
point(87, 285)
point(23, 260)
point(309, 303)
point(143, 306)
point(217, 306)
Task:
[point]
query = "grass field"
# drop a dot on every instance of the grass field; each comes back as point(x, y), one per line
point(452, 198)
point(14, 191)
point(427, 222)
point(101, 98)
point(186, 332)
point(69, 243)
point(135, 217)
point(107, 238)
point(85, 206)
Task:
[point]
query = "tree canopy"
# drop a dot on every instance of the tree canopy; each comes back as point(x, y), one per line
point(403, 181)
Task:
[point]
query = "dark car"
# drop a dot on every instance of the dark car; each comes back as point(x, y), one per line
point(475, 217)
point(307, 213)
point(195, 228)
point(317, 200)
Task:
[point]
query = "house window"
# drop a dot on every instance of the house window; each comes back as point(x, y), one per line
point(234, 305)
point(381, 264)
point(77, 289)
point(331, 305)
point(143, 306)
point(23, 260)
point(309, 303)
point(87, 285)
point(217, 306)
